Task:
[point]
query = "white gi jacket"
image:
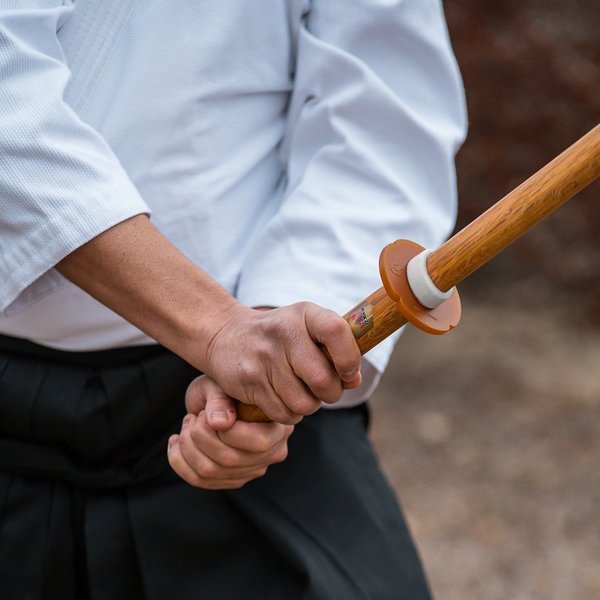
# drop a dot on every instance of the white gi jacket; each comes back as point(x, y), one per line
point(280, 144)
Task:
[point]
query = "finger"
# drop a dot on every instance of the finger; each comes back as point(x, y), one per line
point(316, 374)
point(220, 408)
point(289, 380)
point(199, 443)
point(197, 467)
point(350, 385)
point(279, 408)
point(303, 377)
point(320, 378)
point(183, 470)
point(195, 395)
point(179, 464)
point(270, 380)
point(256, 438)
point(331, 330)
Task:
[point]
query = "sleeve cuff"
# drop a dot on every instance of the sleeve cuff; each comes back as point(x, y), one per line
point(30, 273)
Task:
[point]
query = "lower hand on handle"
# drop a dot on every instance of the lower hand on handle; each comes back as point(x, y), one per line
point(216, 451)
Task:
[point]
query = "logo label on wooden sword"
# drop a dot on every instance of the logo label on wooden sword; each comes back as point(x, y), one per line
point(361, 319)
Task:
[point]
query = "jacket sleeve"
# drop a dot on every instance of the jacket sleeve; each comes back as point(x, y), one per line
point(60, 183)
point(376, 118)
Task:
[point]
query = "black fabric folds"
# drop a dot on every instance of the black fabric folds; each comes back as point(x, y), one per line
point(89, 508)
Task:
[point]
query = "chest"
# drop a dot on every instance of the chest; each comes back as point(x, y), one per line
point(223, 45)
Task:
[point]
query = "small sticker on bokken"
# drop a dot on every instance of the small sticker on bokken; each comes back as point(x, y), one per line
point(361, 319)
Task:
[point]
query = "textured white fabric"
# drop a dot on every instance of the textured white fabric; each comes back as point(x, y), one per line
point(279, 145)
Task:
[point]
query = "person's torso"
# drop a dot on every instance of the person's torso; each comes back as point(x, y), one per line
point(192, 98)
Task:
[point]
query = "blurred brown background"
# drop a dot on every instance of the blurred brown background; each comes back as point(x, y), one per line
point(491, 434)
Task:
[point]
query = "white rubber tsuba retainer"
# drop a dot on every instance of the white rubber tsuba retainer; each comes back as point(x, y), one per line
point(423, 288)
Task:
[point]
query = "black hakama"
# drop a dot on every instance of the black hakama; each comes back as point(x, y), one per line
point(89, 507)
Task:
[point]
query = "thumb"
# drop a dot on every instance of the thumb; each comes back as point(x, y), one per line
point(220, 409)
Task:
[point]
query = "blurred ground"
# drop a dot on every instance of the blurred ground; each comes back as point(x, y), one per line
point(491, 434)
point(491, 437)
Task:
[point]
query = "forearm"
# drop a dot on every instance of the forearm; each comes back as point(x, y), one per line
point(269, 358)
point(135, 271)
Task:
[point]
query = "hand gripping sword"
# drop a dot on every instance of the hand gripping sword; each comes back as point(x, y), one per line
point(419, 284)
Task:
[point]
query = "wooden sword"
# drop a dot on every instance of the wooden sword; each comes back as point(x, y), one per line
point(419, 285)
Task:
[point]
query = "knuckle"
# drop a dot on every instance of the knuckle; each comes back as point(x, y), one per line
point(186, 444)
point(262, 444)
point(258, 472)
point(197, 482)
point(321, 380)
point(219, 397)
point(206, 470)
point(279, 411)
point(228, 458)
point(251, 372)
point(303, 404)
point(310, 308)
point(173, 460)
point(193, 437)
point(290, 418)
point(325, 386)
point(234, 485)
point(282, 329)
point(299, 404)
point(334, 326)
point(261, 437)
point(281, 454)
